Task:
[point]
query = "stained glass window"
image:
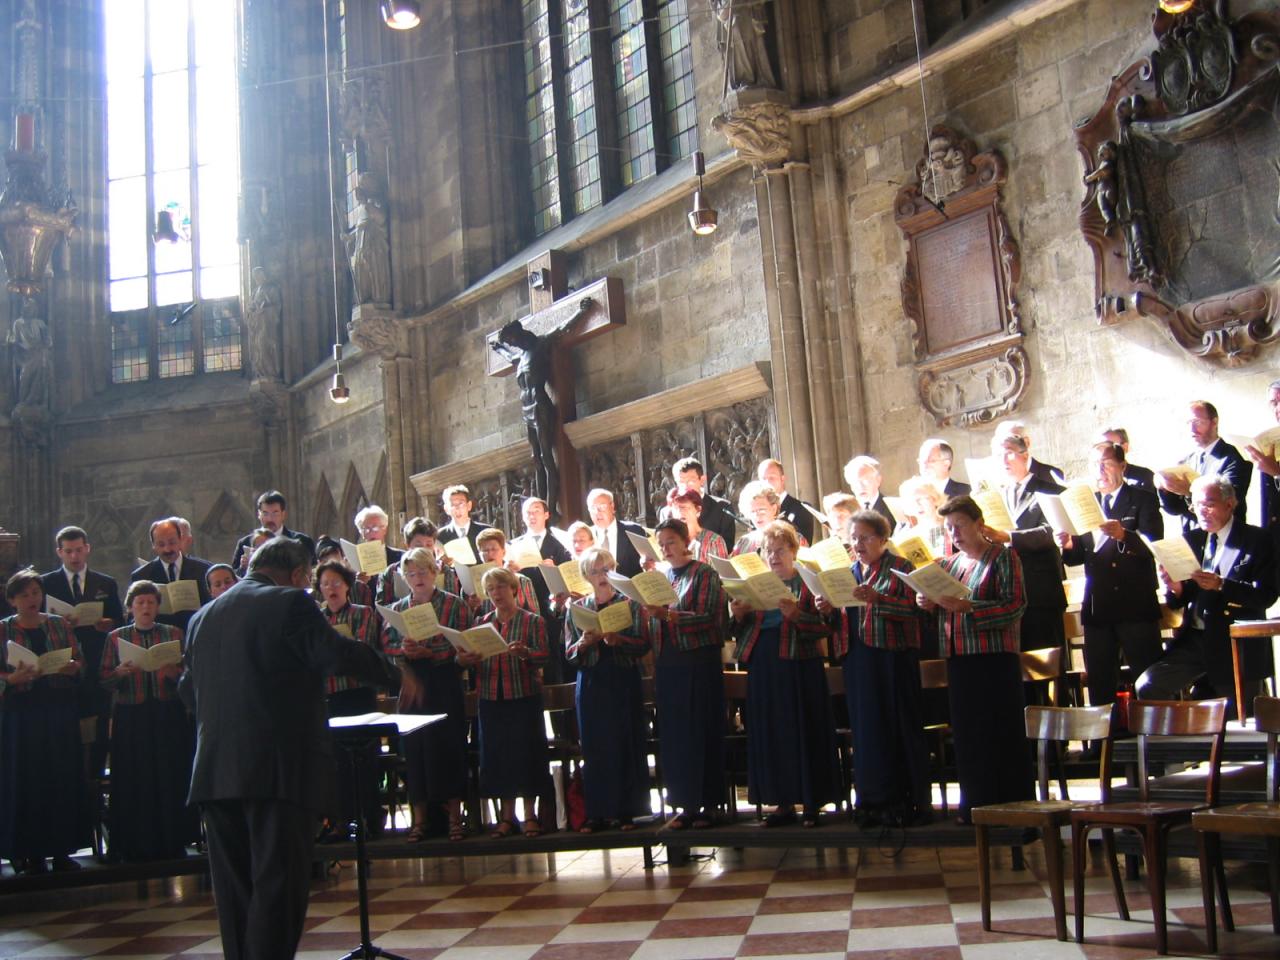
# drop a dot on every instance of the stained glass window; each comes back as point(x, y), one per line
point(173, 178)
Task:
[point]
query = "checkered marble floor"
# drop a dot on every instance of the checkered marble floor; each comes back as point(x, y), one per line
point(921, 903)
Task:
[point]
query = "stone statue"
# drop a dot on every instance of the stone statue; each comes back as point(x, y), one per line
point(743, 25)
point(263, 320)
point(1105, 176)
point(943, 172)
point(369, 246)
point(532, 355)
point(32, 349)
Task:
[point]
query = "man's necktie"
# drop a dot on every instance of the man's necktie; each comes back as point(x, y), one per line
point(76, 594)
point(1106, 503)
point(1211, 552)
point(604, 539)
point(173, 573)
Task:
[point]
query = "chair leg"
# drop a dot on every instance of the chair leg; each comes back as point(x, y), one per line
point(1206, 891)
point(1117, 883)
point(1053, 863)
point(983, 840)
point(1220, 875)
point(1153, 850)
point(1016, 860)
point(1273, 870)
point(1079, 837)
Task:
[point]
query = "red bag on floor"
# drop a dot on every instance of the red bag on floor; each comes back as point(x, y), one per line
point(575, 801)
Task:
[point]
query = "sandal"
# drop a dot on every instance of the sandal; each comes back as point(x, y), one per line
point(456, 830)
point(679, 822)
point(532, 828)
point(591, 826)
point(702, 821)
point(625, 824)
point(415, 834)
point(809, 820)
point(502, 829)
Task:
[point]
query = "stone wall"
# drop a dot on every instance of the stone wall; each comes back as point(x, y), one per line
point(1022, 97)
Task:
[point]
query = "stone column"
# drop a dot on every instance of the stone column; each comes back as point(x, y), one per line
point(378, 330)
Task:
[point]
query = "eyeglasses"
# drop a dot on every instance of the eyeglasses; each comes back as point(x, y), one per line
point(865, 537)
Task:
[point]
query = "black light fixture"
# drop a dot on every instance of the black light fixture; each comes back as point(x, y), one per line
point(702, 218)
point(339, 392)
point(401, 14)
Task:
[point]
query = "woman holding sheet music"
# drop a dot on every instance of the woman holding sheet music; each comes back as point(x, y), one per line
point(436, 756)
point(880, 646)
point(984, 674)
point(43, 802)
point(690, 689)
point(791, 739)
point(152, 740)
point(610, 702)
point(513, 739)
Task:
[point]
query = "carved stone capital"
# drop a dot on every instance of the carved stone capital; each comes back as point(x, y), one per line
point(270, 401)
point(377, 331)
point(34, 424)
point(757, 123)
point(363, 109)
point(976, 391)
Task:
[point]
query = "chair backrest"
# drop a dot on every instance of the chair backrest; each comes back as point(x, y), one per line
point(933, 674)
point(1042, 664)
point(735, 685)
point(557, 697)
point(835, 681)
point(1048, 725)
point(1179, 718)
point(1266, 715)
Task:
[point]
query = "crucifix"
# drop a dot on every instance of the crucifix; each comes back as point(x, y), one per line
point(536, 349)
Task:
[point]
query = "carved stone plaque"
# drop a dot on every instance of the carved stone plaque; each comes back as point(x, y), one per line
point(1181, 185)
point(959, 286)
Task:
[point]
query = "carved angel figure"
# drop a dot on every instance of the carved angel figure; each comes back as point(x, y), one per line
point(743, 26)
point(1105, 176)
point(263, 320)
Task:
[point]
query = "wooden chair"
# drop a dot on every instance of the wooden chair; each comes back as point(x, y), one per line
point(844, 737)
point(1041, 670)
point(1153, 819)
point(937, 722)
point(1243, 819)
point(1045, 725)
point(559, 699)
point(735, 740)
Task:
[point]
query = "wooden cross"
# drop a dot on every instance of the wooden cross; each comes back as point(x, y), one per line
point(600, 308)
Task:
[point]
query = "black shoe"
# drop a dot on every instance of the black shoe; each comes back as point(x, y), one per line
point(34, 867)
point(868, 818)
point(65, 864)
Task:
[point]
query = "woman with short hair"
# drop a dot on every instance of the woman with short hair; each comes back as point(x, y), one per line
point(686, 504)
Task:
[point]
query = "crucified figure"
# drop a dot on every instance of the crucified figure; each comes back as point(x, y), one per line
point(531, 353)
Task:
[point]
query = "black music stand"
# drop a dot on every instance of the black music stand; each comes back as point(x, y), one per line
point(360, 739)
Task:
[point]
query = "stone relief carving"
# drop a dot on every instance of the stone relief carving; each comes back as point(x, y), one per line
point(224, 518)
point(486, 494)
point(738, 439)
point(1181, 198)
point(376, 331)
point(757, 123)
point(613, 466)
point(363, 108)
point(263, 320)
point(368, 244)
point(742, 39)
point(959, 284)
point(660, 448)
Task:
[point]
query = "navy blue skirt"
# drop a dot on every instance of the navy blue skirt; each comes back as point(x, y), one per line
point(791, 736)
point(152, 746)
point(436, 756)
point(513, 748)
point(691, 720)
point(890, 754)
point(612, 734)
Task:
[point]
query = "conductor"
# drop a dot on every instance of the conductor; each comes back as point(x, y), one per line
point(255, 662)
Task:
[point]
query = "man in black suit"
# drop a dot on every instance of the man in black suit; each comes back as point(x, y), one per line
point(273, 514)
point(1121, 610)
point(456, 501)
point(1134, 475)
point(935, 459)
point(1034, 542)
point(1236, 581)
point(371, 522)
point(717, 513)
point(73, 582)
point(611, 533)
point(1212, 456)
point(863, 476)
point(1269, 473)
point(540, 538)
point(790, 509)
point(255, 663)
point(171, 565)
point(1044, 472)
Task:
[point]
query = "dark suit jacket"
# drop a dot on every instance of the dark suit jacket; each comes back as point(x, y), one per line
point(94, 587)
point(717, 516)
point(553, 550)
point(1142, 477)
point(1034, 542)
point(256, 659)
point(193, 568)
point(1271, 511)
point(1120, 578)
point(449, 531)
point(882, 508)
point(1247, 562)
point(955, 488)
point(793, 511)
point(242, 545)
point(1223, 459)
point(1044, 472)
point(623, 551)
